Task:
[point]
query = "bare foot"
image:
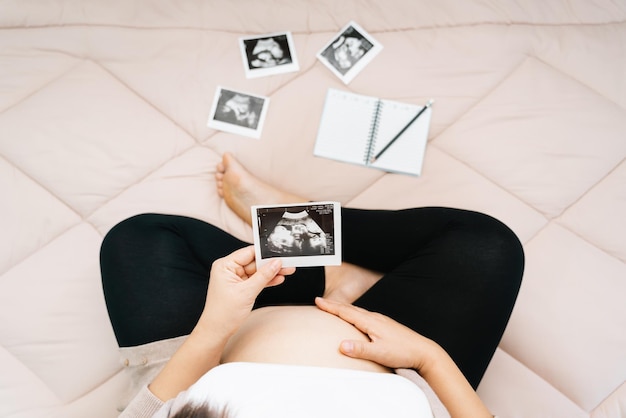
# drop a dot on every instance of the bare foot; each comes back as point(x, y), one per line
point(347, 282)
point(240, 189)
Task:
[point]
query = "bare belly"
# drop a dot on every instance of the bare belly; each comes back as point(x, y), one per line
point(302, 335)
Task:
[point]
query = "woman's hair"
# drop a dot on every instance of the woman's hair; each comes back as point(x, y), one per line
point(191, 410)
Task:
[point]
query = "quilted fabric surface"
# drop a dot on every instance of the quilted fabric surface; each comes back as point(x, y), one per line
point(103, 111)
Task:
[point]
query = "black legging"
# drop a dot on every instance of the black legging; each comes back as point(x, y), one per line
point(451, 275)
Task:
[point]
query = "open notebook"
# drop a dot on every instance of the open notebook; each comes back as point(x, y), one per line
point(355, 127)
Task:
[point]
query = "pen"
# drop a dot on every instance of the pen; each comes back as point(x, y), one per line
point(377, 156)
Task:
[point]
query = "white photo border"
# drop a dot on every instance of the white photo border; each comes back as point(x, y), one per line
point(278, 69)
point(333, 259)
point(370, 54)
point(232, 127)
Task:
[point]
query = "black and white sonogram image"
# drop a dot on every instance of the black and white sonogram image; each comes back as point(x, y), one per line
point(306, 230)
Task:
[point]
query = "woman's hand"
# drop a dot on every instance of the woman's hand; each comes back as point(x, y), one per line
point(391, 343)
point(396, 346)
point(234, 286)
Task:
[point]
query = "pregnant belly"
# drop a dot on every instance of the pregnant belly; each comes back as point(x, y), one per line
point(302, 335)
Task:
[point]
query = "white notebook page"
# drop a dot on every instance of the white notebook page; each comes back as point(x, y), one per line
point(345, 127)
point(406, 153)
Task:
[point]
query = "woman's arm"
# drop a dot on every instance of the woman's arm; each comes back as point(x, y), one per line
point(234, 286)
point(396, 346)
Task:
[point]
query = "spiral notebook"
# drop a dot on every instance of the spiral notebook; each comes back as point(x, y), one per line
point(355, 127)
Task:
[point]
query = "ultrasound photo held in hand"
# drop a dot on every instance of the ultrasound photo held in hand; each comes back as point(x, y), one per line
point(300, 234)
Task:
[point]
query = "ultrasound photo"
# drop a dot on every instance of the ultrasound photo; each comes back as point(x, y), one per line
point(302, 233)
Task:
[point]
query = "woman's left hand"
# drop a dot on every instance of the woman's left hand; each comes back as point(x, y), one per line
point(235, 282)
point(234, 285)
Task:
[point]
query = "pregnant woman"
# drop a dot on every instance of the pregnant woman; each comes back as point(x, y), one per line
point(205, 333)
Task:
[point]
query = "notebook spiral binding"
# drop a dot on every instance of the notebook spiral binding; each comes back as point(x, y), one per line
point(373, 133)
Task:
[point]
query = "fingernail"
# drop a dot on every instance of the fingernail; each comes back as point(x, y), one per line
point(275, 264)
point(347, 346)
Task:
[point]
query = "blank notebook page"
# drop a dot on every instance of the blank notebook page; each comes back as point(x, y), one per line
point(406, 153)
point(345, 128)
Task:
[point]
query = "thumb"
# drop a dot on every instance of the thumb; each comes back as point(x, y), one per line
point(265, 274)
point(356, 349)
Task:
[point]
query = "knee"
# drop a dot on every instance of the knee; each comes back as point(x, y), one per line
point(491, 242)
point(131, 232)
point(497, 234)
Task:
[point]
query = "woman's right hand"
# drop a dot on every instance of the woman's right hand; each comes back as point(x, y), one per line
point(396, 346)
point(391, 343)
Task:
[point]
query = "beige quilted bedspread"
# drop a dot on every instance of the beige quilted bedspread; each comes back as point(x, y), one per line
point(103, 111)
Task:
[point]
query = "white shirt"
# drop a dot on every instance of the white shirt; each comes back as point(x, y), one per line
point(247, 390)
